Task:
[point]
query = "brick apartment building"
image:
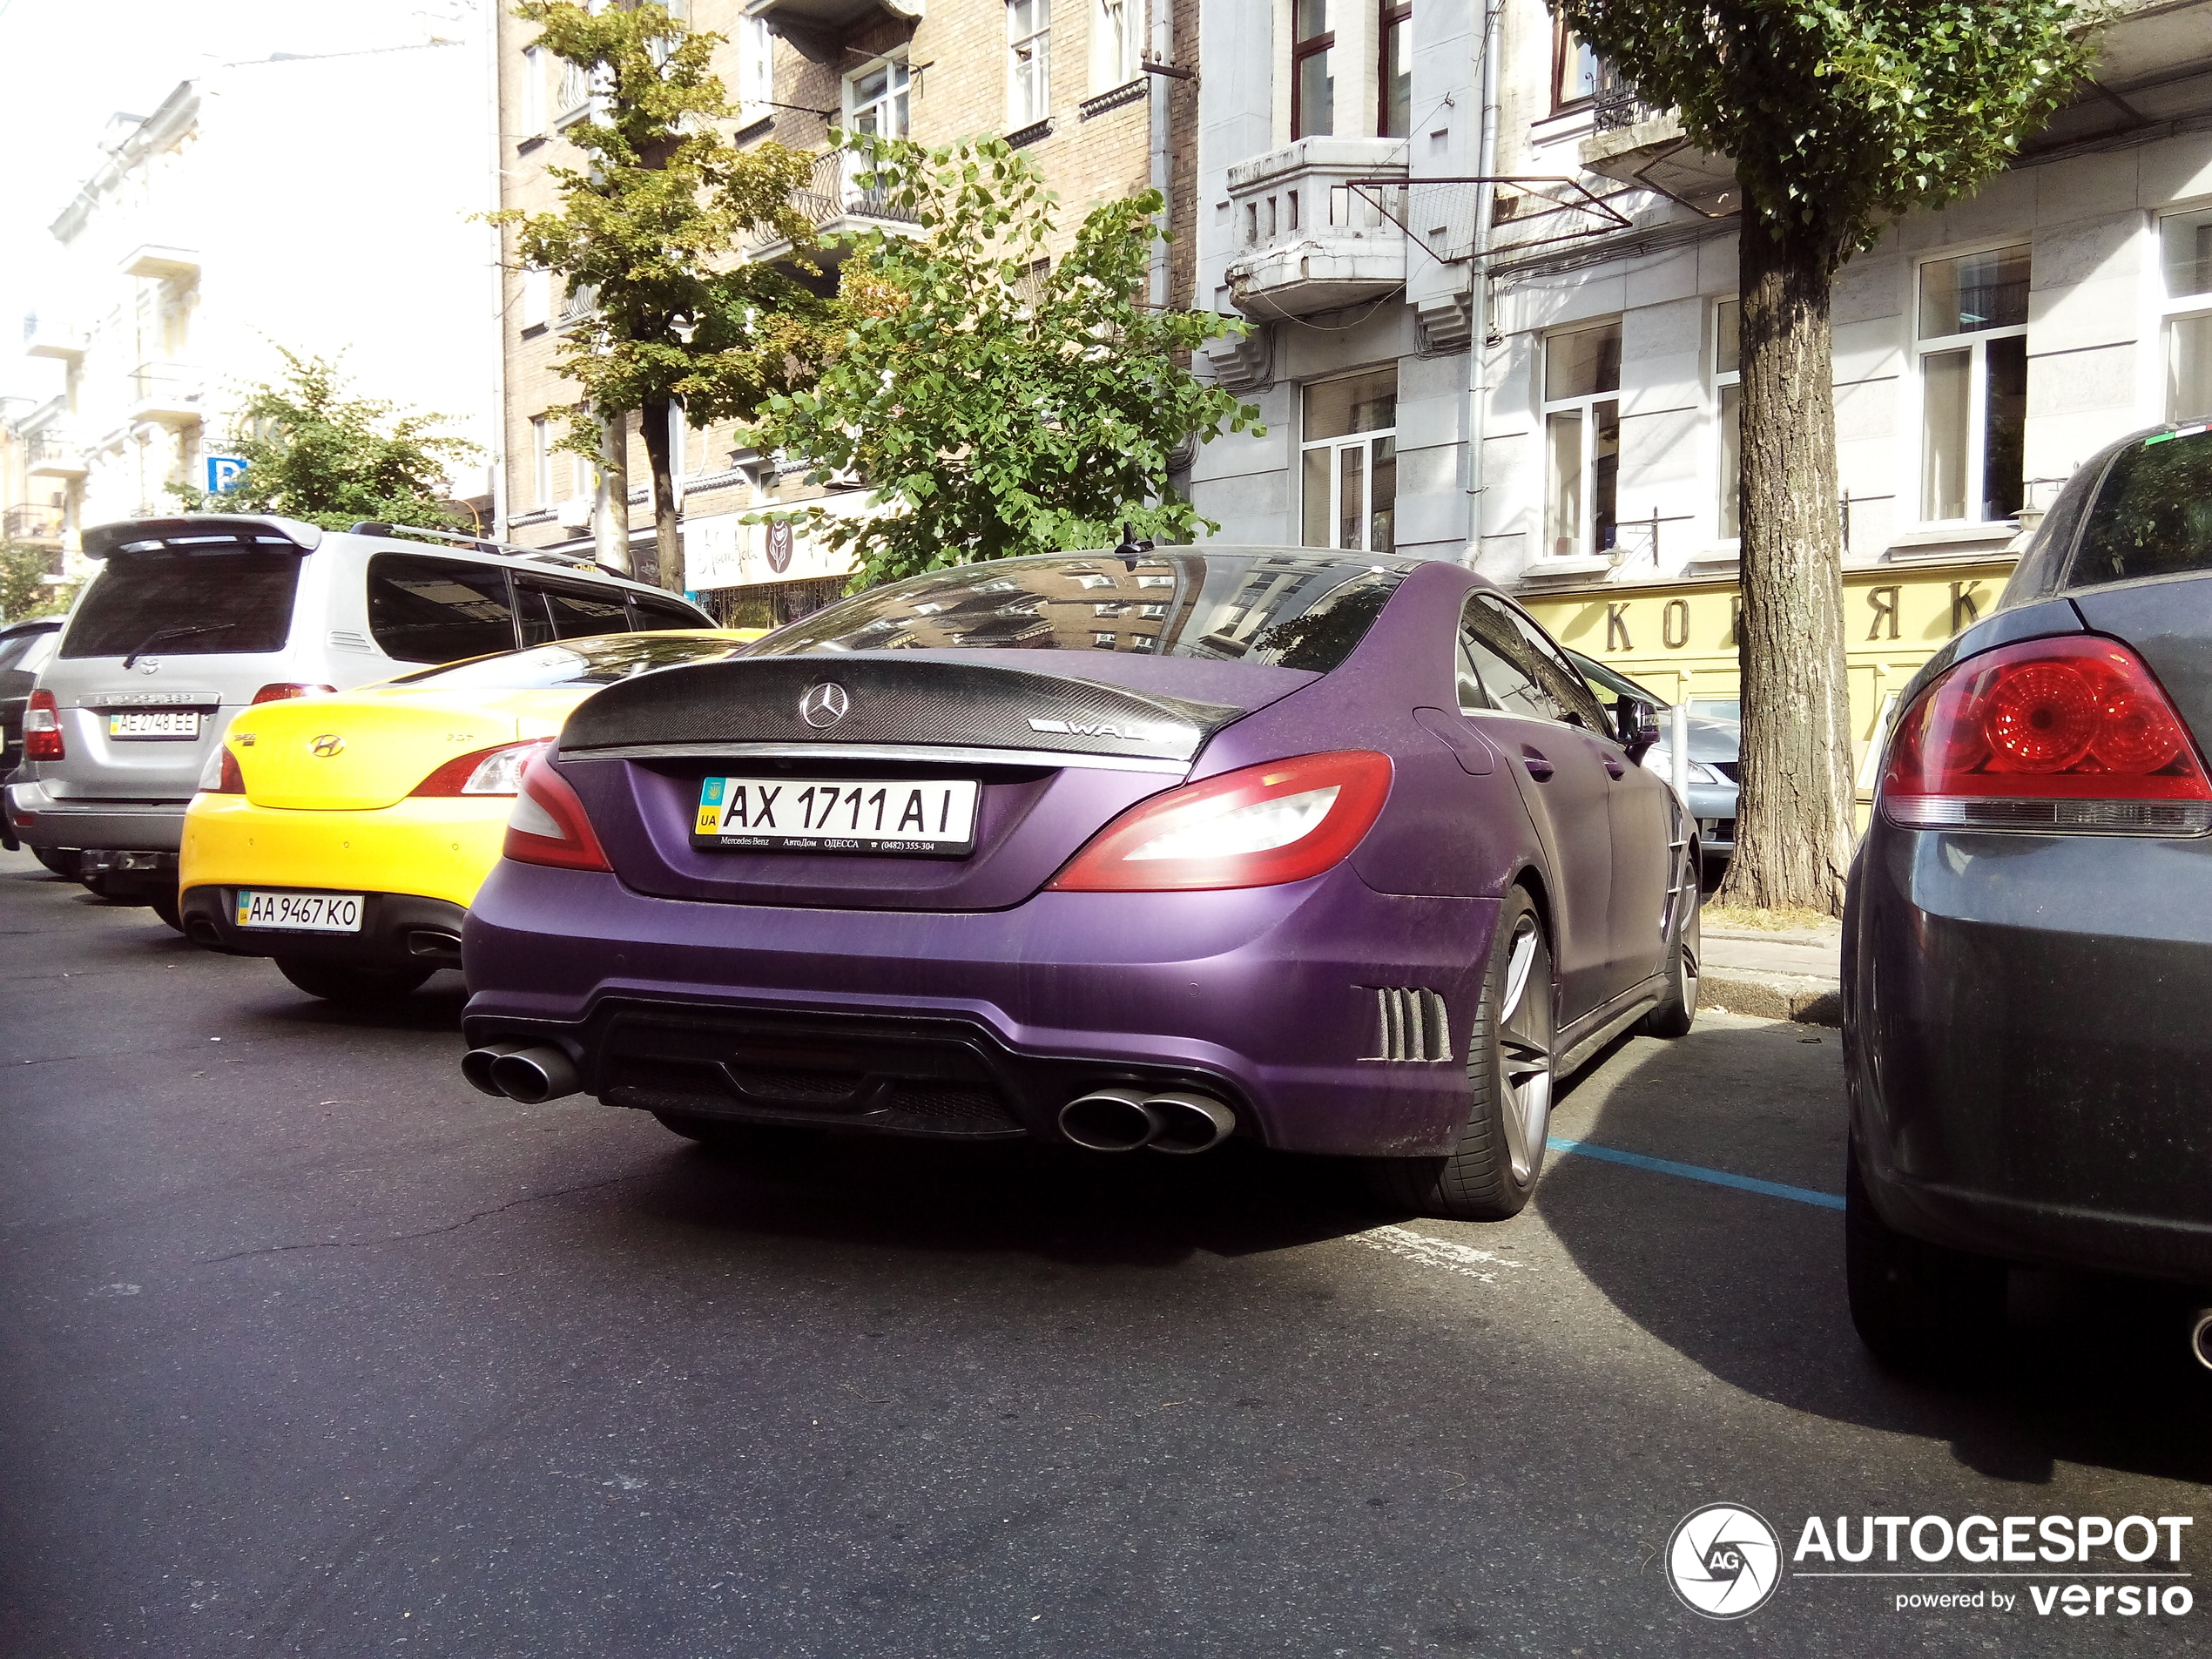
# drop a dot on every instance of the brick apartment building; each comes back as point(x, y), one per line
point(1065, 80)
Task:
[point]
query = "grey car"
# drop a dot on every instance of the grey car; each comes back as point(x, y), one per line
point(187, 620)
point(1714, 770)
point(2028, 939)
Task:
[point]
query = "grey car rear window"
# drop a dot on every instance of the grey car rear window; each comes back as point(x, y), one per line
point(582, 662)
point(185, 605)
point(438, 611)
point(2153, 514)
point(1288, 611)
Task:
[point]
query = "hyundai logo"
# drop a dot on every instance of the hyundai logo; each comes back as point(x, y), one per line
point(825, 703)
point(327, 744)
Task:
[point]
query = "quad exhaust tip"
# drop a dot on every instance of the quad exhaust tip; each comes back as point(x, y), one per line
point(532, 1073)
point(1121, 1120)
point(2201, 1336)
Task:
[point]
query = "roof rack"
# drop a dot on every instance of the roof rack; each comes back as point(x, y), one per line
point(484, 544)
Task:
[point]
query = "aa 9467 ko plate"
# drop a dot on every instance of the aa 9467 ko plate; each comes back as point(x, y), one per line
point(927, 818)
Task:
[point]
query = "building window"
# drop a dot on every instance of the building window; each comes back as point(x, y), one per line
point(1348, 463)
point(2185, 254)
point(1313, 77)
point(1582, 440)
point(756, 69)
point(540, 461)
point(1394, 70)
point(1727, 388)
point(876, 99)
point(1117, 51)
point(1028, 61)
point(537, 299)
point(573, 101)
point(1974, 384)
point(1575, 69)
point(533, 92)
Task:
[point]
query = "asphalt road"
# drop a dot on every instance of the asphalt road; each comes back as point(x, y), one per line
point(305, 1348)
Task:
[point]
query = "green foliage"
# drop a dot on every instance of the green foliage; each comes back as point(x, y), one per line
point(1841, 116)
point(995, 406)
point(24, 592)
point(652, 225)
point(313, 452)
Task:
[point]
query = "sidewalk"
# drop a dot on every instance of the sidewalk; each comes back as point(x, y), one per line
point(1789, 974)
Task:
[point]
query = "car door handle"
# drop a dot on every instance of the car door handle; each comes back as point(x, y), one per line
point(1539, 768)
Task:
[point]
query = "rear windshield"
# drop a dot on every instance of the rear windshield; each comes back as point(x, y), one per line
point(596, 662)
point(2153, 514)
point(1287, 611)
point(185, 605)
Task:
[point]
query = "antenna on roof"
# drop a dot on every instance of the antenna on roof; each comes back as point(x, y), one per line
point(1131, 549)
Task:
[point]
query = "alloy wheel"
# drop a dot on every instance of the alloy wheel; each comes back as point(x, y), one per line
point(1525, 1033)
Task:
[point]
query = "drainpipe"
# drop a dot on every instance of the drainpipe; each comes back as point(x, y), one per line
point(1485, 164)
point(498, 238)
point(1163, 52)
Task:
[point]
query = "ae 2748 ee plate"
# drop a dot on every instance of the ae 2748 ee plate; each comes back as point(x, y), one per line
point(880, 816)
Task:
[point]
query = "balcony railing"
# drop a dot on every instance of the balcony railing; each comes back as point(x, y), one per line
point(53, 454)
point(832, 195)
point(166, 391)
point(1317, 226)
point(1616, 106)
point(33, 522)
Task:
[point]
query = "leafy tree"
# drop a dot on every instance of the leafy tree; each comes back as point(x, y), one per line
point(25, 590)
point(995, 406)
point(313, 452)
point(1839, 118)
point(650, 227)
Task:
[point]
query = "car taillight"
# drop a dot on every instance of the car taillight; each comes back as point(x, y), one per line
point(42, 729)
point(2071, 734)
point(220, 776)
point(548, 825)
point(280, 691)
point(484, 772)
point(1254, 827)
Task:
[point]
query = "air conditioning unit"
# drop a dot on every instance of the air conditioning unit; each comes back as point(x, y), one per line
point(574, 513)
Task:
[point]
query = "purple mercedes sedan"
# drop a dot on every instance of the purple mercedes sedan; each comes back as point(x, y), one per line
point(1126, 849)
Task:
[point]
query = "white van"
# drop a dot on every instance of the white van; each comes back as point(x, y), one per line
point(190, 619)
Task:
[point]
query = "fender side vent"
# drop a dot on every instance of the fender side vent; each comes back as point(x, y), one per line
point(1412, 1025)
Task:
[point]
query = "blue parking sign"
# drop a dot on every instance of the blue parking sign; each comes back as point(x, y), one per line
point(222, 472)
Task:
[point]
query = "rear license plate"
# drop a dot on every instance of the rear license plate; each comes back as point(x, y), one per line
point(300, 913)
point(154, 723)
point(873, 815)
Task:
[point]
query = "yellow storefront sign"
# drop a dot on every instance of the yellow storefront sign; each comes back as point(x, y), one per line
point(1679, 637)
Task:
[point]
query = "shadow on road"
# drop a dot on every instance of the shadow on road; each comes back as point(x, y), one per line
point(1752, 1288)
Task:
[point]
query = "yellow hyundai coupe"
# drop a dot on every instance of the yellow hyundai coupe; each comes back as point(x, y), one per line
point(345, 836)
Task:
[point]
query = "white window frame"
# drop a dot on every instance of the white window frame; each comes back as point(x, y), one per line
point(898, 87)
point(537, 297)
point(532, 111)
point(1977, 345)
point(542, 461)
point(1029, 63)
point(1586, 483)
point(756, 70)
point(1117, 43)
point(2173, 310)
point(1727, 313)
point(1369, 441)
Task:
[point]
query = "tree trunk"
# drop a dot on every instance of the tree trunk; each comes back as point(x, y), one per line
point(668, 550)
point(610, 517)
point(1793, 828)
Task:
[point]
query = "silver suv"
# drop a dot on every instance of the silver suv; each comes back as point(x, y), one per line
point(190, 619)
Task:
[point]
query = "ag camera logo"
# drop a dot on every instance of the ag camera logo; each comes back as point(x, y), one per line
point(1723, 1560)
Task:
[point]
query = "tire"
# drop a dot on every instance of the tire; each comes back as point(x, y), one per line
point(1920, 1308)
point(351, 985)
point(1677, 1009)
point(1492, 1171)
point(164, 906)
point(61, 860)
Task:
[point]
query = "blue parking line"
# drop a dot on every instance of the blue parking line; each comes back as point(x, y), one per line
point(1697, 1172)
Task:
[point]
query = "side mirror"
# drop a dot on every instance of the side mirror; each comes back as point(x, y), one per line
point(1636, 724)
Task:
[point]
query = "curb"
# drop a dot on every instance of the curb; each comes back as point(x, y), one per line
point(1772, 996)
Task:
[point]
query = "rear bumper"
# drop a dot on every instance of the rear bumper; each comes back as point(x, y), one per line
point(438, 847)
point(2029, 1062)
point(399, 930)
point(41, 819)
point(1266, 996)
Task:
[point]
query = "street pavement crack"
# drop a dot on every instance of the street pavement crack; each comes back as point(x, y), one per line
point(427, 1232)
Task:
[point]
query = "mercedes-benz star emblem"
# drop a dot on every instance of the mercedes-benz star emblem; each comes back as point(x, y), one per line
point(825, 703)
point(327, 744)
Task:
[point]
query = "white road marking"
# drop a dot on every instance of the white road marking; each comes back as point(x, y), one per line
point(1463, 1259)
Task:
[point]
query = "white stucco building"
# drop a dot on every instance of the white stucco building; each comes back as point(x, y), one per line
point(322, 204)
point(1536, 373)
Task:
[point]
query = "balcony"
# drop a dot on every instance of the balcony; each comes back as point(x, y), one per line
point(1637, 144)
point(43, 337)
point(168, 394)
point(161, 260)
point(818, 28)
point(834, 205)
point(1306, 240)
point(52, 454)
point(32, 521)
